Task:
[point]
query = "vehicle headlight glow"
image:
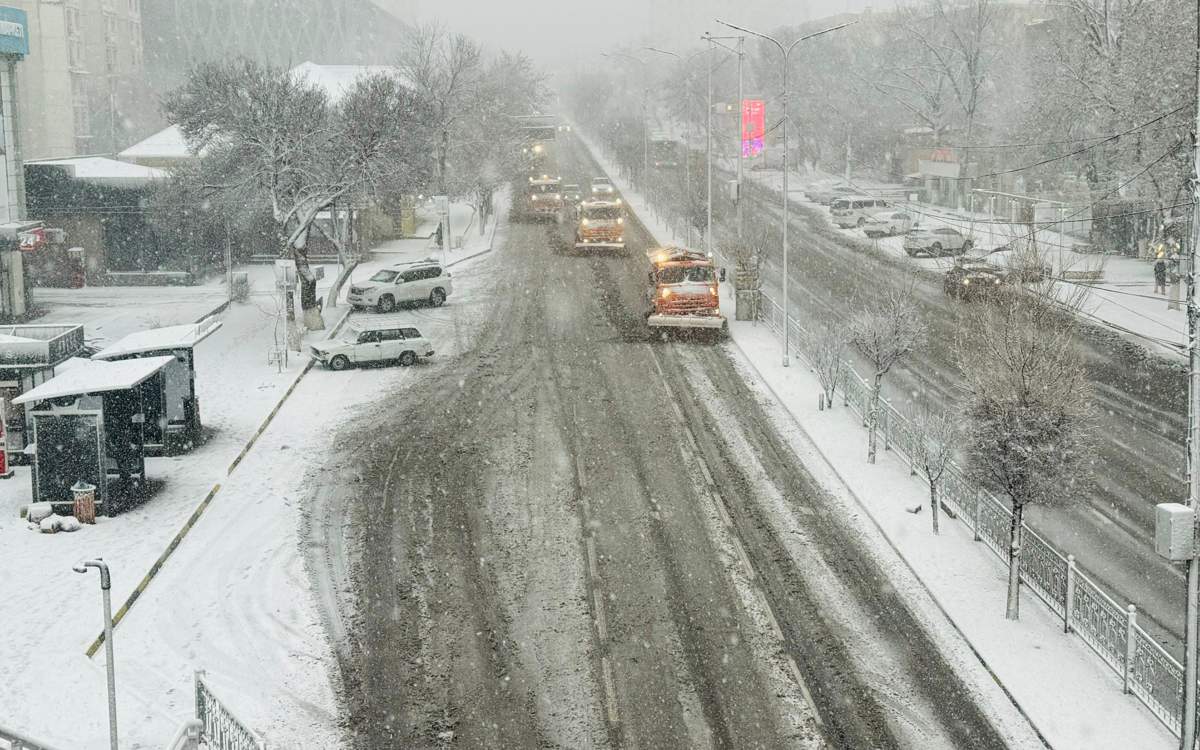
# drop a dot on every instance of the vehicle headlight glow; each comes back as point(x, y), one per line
point(966, 281)
point(584, 222)
point(666, 293)
point(620, 220)
point(713, 291)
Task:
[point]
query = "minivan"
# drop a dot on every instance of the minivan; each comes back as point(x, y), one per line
point(855, 210)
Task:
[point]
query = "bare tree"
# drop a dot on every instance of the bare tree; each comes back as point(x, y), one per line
point(829, 359)
point(447, 70)
point(886, 332)
point(937, 439)
point(1029, 408)
point(271, 138)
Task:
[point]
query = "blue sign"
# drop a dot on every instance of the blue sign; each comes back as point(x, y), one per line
point(14, 32)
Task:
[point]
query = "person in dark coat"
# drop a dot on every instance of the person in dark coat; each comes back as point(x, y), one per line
point(1160, 275)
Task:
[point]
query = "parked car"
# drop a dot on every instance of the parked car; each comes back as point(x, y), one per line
point(373, 341)
point(936, 241)
point(828, 195)
point(423, 281)
point(971, 278)
point(602, 186)
point(888, 223)
point(854, 211)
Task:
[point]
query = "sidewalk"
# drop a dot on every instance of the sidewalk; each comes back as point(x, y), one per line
point(234, 598)
point(1070, 697)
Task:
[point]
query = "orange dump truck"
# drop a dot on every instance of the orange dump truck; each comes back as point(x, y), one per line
point(684, 290)
point(601, 225)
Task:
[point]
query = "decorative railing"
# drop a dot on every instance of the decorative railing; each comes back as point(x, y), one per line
point(220, 729)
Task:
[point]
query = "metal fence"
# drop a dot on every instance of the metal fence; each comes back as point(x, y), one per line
point(1147, 671)
point(220, 729)
point(11, 739)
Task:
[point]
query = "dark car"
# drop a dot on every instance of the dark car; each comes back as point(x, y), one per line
point(971, 278)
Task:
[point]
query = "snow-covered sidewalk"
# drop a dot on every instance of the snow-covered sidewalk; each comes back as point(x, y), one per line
point(233, 599)
point(1070, 697)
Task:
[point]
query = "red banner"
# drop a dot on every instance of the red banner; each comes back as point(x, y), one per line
point(754, 127)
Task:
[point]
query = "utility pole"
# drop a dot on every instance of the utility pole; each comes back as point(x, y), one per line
point(741, 156)
point(1187, 735)
point(708, 156)
point(785, 53)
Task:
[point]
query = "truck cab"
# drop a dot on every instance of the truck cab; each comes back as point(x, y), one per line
point(601, 225)
point(543, 197)
point(684, 291)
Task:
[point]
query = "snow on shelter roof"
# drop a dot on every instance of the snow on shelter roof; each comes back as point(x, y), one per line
point(104, 171)
point(160, 339)
point(96, 377)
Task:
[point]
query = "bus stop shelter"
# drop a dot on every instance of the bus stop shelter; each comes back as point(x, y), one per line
point(87, 426)
point(29, 356)
point(172, 411)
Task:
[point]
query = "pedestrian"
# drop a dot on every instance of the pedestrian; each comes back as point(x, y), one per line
point(438, 242)
point(1160, 275)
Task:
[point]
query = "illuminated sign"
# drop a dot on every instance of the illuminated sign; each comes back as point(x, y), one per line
point(754, 127)
point(14, 32)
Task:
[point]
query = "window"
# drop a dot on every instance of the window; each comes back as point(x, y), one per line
point(391, 334)
point(432, 273)
point(79, 105)
point(411, 333)
point(385, 277)
point(133, 7)
point(369, 337)
point(411, 276)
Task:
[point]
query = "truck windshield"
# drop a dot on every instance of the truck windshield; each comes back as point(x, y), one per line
point(681, 275)
point(607, 213)
point(385, 276)
point(543, 188)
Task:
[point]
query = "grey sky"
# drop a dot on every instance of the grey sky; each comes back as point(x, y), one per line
point(571, 32)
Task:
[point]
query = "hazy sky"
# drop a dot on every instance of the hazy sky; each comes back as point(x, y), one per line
point(570, 32)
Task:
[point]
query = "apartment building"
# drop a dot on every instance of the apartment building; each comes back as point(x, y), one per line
point(83, 89)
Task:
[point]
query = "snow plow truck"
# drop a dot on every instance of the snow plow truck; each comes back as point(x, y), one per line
point(601, 225)
point(683, 291)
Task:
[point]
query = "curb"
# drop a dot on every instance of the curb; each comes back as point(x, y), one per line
point(203, 506)
point(490, 247)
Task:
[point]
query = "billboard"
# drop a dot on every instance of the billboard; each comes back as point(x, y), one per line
point(754, 127)
point(14, 32)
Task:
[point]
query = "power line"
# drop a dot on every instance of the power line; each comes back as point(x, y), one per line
point(1063, 142)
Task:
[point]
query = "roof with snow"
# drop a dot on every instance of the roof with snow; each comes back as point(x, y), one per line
point(103, 171)
point(160, 339)
point(337, 80)
point(167, 143)
point(334, 80)
point(96, 376)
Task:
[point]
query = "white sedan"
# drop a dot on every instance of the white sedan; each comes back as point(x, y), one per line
point(888, 223)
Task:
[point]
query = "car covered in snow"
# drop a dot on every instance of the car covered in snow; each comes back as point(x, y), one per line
point(422, 281)
point(372, 342)
point(972, 278)
point(827, 195)
point(887, 224)
point(602, 186)
point(936, 241)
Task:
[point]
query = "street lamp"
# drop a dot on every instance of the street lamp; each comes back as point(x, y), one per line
point(645, 122)
point(786, 53)
point(105, 587)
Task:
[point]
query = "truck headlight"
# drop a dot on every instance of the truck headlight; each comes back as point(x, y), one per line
point(666, 293)
point(620, 220)
point(966, 281)
point(584, 222)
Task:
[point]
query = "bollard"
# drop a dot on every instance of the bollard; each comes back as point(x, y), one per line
point(1069, 604)
point(1130, 646)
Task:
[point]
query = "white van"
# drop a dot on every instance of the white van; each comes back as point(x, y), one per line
point(855, 210)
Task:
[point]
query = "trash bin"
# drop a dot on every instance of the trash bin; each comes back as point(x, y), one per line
point(85, 501)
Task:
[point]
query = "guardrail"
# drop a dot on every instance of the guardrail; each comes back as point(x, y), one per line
point(1146, 670)
point(11, 739)
point(220, 729)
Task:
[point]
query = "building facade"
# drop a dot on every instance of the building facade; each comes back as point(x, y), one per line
point(83, 85)
point(14, 47)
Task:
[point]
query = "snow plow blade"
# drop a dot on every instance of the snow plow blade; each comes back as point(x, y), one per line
point(685, 321)
point(600, 245)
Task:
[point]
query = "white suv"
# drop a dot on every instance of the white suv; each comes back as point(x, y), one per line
point(602, 186)
point(374, 341)
point(423, 281)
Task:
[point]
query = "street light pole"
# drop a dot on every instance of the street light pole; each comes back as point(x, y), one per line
point(645, 121)
point(740, 52)
point(1187, 735)
point(785, 52)
point(105, 588)
point(708, 157)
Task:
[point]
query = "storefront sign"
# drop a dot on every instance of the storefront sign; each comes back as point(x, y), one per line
point(14, 32)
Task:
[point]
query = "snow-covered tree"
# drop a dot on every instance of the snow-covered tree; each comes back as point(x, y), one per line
point(886, 331)
point(937, 433)
point(273, 138)
point(829, 358)
point(1029, 409)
